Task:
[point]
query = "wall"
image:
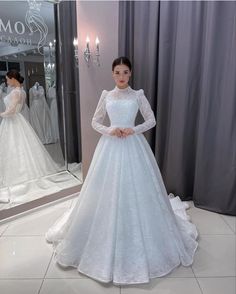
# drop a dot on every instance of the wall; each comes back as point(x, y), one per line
point(95, 18)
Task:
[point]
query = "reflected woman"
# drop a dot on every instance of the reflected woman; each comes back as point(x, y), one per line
point(22, 155)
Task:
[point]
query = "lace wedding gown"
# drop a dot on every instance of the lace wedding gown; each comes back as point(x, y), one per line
point(123, 228)
point(40, 115)
point(22, 155)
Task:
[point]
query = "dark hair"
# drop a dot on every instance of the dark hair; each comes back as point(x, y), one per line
point(122, 60)
point(13, 73)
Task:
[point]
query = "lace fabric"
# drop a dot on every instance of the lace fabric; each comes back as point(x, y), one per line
point(123, 228)
point(22, 156)
point(125, 95)
point(14, 102)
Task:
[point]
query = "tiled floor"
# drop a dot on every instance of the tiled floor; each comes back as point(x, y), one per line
point(27, 265)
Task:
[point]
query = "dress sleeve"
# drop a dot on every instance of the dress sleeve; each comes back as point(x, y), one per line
point(11, 108)
point(147, 113)
point(99, 115)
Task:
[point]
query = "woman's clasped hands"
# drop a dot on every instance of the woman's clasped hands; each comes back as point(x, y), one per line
point(122, 132)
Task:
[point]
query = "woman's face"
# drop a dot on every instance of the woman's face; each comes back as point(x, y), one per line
point(121, 75)
point(10, 82)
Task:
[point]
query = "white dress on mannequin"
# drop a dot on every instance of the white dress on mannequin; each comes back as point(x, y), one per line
point(53, 112)
point(40, 114)
point(123, 228)
point(22, 155)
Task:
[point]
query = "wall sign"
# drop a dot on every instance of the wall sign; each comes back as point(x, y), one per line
point(13, 32)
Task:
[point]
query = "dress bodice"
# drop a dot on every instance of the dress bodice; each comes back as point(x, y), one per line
point(122, 109)
point(37, 93)
point(122, 106)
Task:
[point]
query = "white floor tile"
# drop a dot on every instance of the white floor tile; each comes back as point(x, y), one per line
point(182, 272)
point(230, 220)
point(20, 286)
point(77, 286)
point(3, 227)
point(36, 223)
point(165, 286)
point(57, 272)
point(208, 222)
point(24, 257)
point(215, 256)
point(225, 285)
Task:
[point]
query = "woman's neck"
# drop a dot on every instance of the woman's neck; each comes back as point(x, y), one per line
point(123, 87)
point(16, 85)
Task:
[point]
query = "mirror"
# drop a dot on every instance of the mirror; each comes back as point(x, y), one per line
point(33, 146)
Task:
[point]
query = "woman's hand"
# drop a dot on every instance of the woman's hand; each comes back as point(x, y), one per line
point(116, 132)
point(127, 131)
point(122, 133)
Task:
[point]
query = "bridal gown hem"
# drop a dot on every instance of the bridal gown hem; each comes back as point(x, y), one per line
point(140, 281)
point(124, 227)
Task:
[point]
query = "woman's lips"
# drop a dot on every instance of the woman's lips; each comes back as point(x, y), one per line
point(122, 81)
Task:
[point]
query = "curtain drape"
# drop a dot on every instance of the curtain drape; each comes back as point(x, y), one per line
point(184, 59)
point(68, 80)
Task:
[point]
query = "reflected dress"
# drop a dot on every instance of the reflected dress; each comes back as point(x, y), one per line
point(123, 228)
point(54, 112)
point(25, 107)
point(40, 115)
point(2, 105)
point(22, 155)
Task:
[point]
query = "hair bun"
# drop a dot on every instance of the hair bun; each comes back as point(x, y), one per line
point(21, 79)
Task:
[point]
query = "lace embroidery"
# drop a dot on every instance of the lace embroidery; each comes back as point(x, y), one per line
point(123, 94)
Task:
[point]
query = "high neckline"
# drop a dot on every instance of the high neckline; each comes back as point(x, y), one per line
point(122, 90)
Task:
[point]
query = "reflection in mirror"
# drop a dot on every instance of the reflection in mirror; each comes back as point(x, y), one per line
point(32, 161)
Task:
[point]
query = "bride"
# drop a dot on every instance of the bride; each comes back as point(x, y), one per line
point(22, 155)
point(123, 228)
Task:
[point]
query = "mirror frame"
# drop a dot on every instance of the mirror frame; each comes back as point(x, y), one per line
point(16, 211)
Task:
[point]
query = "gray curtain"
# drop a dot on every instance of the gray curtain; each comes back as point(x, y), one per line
point(68, 80)
point(184, 58)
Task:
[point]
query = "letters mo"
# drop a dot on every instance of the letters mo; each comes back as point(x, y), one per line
point(18, 27)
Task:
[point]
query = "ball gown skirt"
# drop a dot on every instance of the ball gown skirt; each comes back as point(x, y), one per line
point(22, 155)
point(123, 228)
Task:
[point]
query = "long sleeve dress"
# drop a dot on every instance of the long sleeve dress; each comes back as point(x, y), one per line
point(22, 155)
point(123, 228)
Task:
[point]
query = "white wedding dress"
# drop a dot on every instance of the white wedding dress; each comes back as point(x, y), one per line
point(22, 155)
point(123, 228)
point(40, 115)
point(53, 112)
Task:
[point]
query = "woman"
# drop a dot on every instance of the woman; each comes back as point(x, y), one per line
point(123, 228)
point(22, 155)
